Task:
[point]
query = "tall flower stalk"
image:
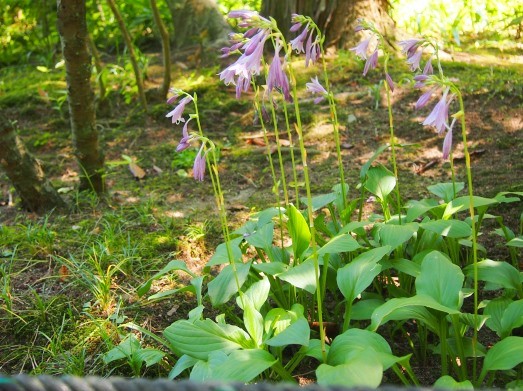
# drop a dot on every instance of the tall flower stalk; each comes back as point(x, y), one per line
point(371, 62)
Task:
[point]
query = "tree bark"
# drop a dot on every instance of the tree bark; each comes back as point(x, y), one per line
point(26, 173)
point(132, 55)
point(336, 18)
point(74, 36)
point(166, 50)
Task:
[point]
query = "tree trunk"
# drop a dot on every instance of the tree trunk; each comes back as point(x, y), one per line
point(166, 50)
point(73, 33)
point(197, 22)
point(132, 55)
point(336, 18)
point(26, 173)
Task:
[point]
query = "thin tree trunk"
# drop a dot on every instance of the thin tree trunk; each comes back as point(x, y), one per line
point(132, 54)
point(166, 49)
point(26, 173)
point(72, 27)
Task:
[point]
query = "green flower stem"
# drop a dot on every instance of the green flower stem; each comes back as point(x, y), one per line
point(218, 193)
point(278, 149)
point(452, 173)
point(472, 222)
point(392, 139)
point(291, 149)
point(335, 124)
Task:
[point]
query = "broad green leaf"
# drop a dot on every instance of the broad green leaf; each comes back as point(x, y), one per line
point(253, 321)
point(495, 310)
point(257, 293)
point(301, 276)
point(221, 254)
point(448, 383)
point(446, 191)
point(469, 350)
point(449, 228)
point(225, 284)
point(320, 201)
point(267, 215)
point(440, 279)
point(504, 355)
point(410, 308)
point(172, 265)
point(200, 338)
point(299, 231)
point(497, 272)
point(363, 309)
point(473, 322)
point(243, 365)
point(297, 333)
point(354, 226)
point(417, 208)
point(203, 370)
point(271, 268)
point(380, 182)
point(197, 283)
point(366, 166)
point(516, 242)
point(125, 349)
point(363, 370)
point(183, 363)
point(395, 235)
point(262, 238)
point(353, 341)
point(402, 265)
point(314, 349)
point(462, 203)
point(150, 356)
point(512, 317)
point(356, 276)
point(339, 244)
point(278, 319)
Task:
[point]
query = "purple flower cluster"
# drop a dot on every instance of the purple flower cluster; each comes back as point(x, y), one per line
point(176, 116)
point(307, 41)
point(250, 46)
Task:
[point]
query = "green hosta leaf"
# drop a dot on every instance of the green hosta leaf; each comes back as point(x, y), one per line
point(450, 228)
point(321, 201)
point(150, 356)
point(172, 265)
point(271, 268)
point(366, 166)
point(354, 226)
point(299, 231)
point(301, 276)
point(410, 308)
point(448, 383)
point(200, 338)
point(446, 191)
point(402, 265)
point(512, 317)
point(354, 277)
point(516, 242)
point(297, 333)
point(497, 272)
point(183, 363)
point(221, 255)
point(314, 349)
point(257, 293)
point(363, 370)
point(253, 322)
point(417, 208)
point(363, 309)
point(440, 279)
point(495, 310)
point(127, 348)
point(243, 365)
point(473, 322)
point(225, 285)
point(262, 238)
point(462, 203)
point(395, 235)
point(380, 182)
point(339, 244)
point(504, 355)
point(202, 370)
point(353, 341)
point(267, 215)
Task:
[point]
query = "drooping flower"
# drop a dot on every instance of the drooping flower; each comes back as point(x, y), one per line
point(298, 43)
point(409, 46)
point(305, 42)
point(176, 114)
point(447, 141)
point(185, 141)
point(427, 69)
point(390, 82)
point(277, 78)
point(438, 118)
point(361, 49)
point(199, 164)
point(424, 99)
point(414, 60)
point(314, 87)
point(371, 62)
point(420, 80)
